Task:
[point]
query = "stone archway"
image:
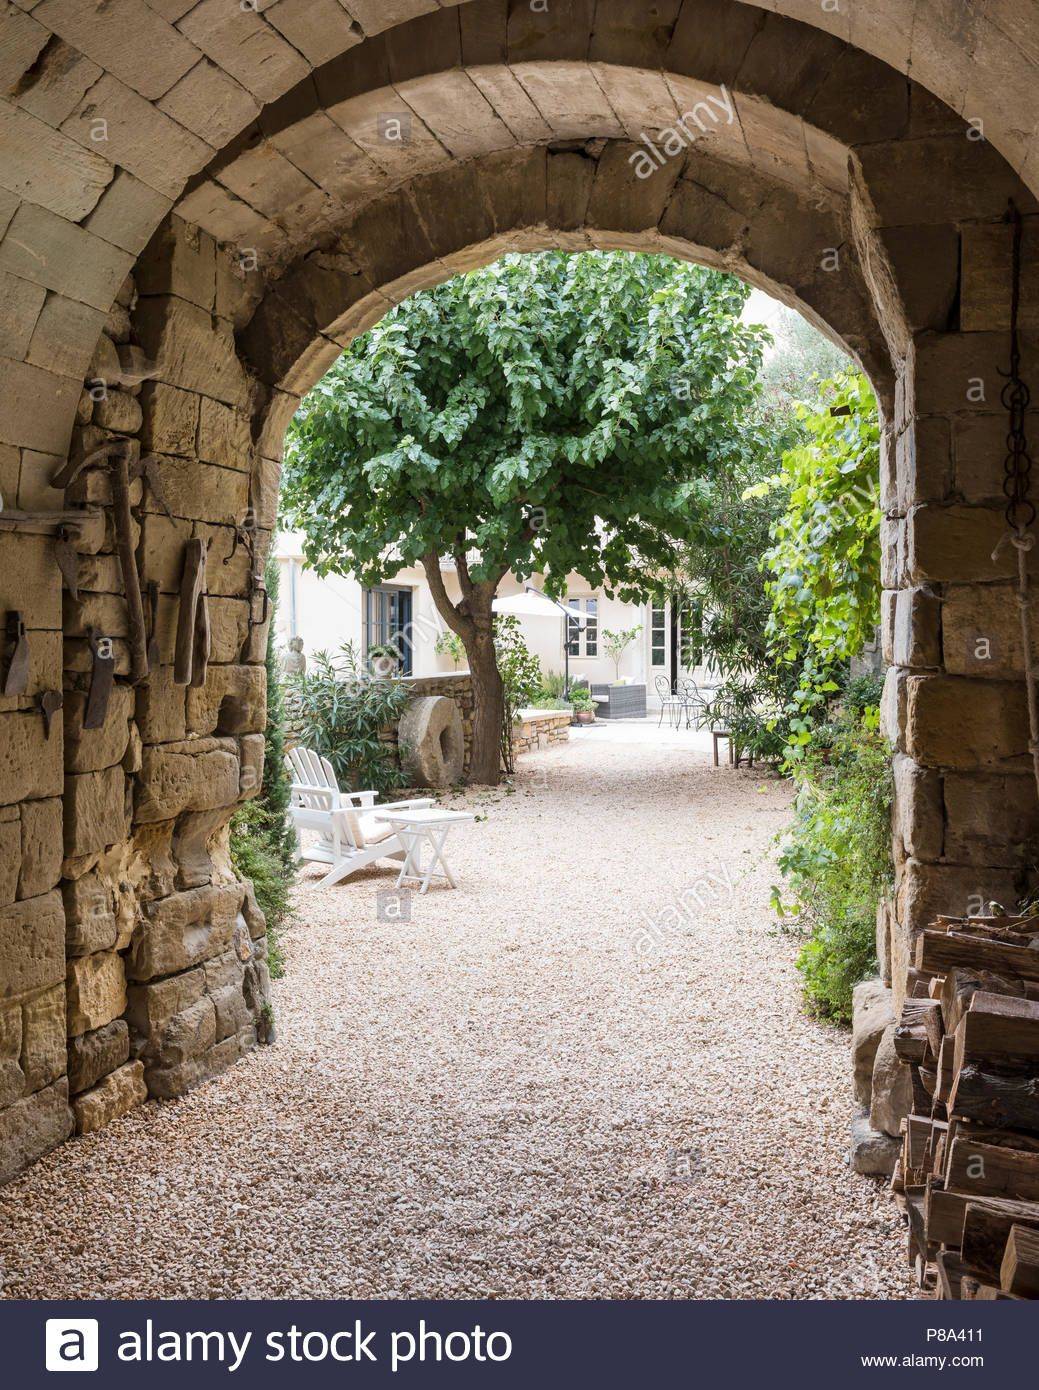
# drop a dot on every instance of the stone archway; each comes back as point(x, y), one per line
point(197, 218)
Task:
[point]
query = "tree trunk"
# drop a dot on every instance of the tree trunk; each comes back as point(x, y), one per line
point(489, 711)
point(473, 620)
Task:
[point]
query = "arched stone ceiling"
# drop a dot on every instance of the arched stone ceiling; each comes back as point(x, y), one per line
point(206, 69)
point(443, 222)
point(318, 156)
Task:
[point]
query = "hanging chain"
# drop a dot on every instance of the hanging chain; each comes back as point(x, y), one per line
point(1020, 509)
point(1020, 512)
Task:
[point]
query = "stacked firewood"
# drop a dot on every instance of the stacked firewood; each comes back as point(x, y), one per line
point(968, 1177)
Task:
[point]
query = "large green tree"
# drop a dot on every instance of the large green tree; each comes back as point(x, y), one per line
point(546, 414)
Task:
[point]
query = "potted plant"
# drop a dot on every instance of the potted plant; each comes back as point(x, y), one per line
point(617, 643)
point(583, 705)
point(383, 660)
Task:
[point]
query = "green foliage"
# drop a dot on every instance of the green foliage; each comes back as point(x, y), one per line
point(581, 699)
point(837, 857)
point(553, 685)
point(863, 693)
point(520, 673)
point(255, 855)
point(797, 365)
point(338, 710)
point(509, 411)
point(449, 643)
point(263, 843)
point(549, 694)
point(617, 643)
point(824, 559)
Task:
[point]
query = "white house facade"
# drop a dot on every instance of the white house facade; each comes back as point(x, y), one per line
point(328, 612)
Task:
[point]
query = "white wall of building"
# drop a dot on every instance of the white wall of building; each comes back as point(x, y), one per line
point(329, 612)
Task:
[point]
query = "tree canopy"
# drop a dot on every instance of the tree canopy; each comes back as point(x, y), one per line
point(547, 413)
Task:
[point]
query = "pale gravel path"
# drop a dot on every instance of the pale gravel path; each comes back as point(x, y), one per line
point(488, 1101)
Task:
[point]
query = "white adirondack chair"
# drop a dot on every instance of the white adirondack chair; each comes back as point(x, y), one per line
point(348, 836)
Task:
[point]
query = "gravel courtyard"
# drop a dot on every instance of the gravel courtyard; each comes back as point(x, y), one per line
point(583, 1075)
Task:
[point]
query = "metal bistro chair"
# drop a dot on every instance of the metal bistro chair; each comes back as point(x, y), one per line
point(694, 704)
point(668, 701)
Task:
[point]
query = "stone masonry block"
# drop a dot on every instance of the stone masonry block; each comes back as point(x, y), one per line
point(956, 544)
point(32, 945)
point(981, 631)
point(174, 778)
point(917, 633)
point(93, 750)
point(170, 418)
point(184, 929)
point(232, 701)
point(93, 1055)
point(95, 811)
point(96, 991)
point(194, 351)
point(43, 1038)
point(10, 852)
point(90, 919)
point(991, 820)
point(179, 260)
point(117, 1094)
point(32, 1127)
point(926, 890)
point(224, 437)
point(959, 723)
point(918, 810)
point(151, 1006)
point(40, 866)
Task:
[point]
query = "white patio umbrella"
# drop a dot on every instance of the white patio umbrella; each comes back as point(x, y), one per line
point(532, 603)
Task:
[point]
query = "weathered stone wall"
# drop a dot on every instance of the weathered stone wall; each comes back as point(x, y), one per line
point(164, 974)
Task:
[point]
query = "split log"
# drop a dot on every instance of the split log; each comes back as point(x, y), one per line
point(938, 952)
point(1008, 1101)
point(1019, 1271)
point(999, 1027)
point(960, 985)
point(986, 1227)
point(992, 1170)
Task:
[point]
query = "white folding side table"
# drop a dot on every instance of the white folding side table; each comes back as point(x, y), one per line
point(420, 828)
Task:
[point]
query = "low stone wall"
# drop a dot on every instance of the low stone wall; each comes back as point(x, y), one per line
point(539, 728)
